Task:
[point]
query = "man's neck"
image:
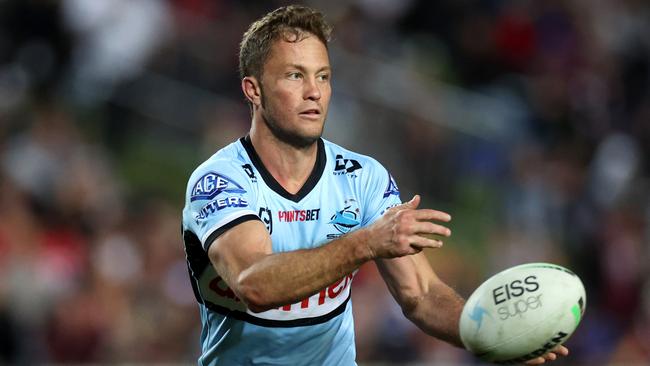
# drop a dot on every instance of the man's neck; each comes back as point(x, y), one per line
point(290, 166)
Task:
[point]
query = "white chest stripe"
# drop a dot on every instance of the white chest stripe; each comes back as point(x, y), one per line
point(214, 290)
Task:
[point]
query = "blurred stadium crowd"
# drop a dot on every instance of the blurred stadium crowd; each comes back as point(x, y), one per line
point(528, 121)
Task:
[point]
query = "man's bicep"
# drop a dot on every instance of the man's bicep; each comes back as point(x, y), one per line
point(238, 248)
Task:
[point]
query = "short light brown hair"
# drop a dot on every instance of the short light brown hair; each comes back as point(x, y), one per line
point(293, 23)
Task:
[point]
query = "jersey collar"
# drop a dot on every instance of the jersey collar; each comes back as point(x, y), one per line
point(270, 181)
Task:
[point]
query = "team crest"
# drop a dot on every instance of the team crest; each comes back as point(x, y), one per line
point(212, 184)
point(346, 219)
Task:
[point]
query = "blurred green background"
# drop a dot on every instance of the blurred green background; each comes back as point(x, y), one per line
point(528, 121)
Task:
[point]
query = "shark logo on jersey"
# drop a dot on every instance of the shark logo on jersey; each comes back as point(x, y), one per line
point(345, 219)
point(346, 166)
point(392, 187)
point(212, 184)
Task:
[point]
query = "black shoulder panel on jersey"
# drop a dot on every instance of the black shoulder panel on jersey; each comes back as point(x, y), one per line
point(311, 182)
point(197, 260)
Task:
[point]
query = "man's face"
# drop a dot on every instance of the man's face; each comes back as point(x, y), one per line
point(296, 91)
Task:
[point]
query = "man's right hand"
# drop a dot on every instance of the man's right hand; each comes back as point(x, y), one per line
point(405, 230)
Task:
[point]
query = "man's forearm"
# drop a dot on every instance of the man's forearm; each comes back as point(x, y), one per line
point(285, 278)
point(438, 313)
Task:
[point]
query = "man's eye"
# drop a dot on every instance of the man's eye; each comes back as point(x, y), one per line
point(294, 76)
point(323, 77)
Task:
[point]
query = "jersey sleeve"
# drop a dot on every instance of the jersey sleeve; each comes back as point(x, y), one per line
point(380, 193)
point(219, 196)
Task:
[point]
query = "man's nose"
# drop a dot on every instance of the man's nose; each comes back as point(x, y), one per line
point(312, 89)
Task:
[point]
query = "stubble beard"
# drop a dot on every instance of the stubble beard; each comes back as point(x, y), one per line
point(291, 138)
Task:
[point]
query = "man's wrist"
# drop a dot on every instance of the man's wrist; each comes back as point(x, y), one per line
point(361, 243)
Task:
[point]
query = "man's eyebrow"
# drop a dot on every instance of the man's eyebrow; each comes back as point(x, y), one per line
point(303, 69)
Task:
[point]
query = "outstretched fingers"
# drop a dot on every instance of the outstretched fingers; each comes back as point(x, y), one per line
point(431, 215)
point(428, 228)
point(421, 231)
point(426, 234)
point(409, 229)
point(419, 242)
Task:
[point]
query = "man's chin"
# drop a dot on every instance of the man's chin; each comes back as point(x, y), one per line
point(300, 139)
point(303, 142)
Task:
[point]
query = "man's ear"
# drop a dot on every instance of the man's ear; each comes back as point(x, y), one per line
point(252, 90)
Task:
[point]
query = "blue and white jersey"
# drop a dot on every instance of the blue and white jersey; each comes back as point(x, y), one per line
point(344, 192)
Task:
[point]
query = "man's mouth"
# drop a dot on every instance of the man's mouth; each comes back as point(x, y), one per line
point(313, 112)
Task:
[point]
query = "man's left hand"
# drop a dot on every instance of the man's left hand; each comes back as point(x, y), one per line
point(550, 356)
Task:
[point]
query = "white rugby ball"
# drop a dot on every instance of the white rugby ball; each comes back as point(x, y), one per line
point(522, 313)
